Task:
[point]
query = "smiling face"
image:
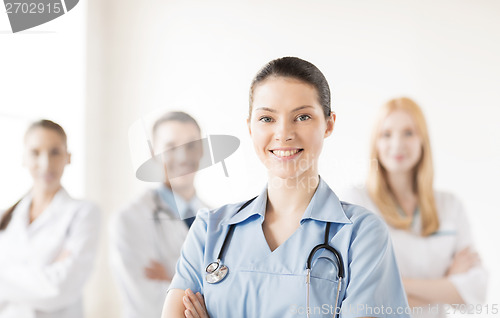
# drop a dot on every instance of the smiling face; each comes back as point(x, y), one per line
point(46, 157)
point(288, 126)
point(399, 145)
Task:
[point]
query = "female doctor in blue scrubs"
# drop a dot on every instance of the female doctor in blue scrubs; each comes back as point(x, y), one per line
point(263, 266)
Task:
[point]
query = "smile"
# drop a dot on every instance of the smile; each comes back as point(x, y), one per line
point(286, 154)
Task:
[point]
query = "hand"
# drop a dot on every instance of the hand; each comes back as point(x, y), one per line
point(195, 305)
point(416, 302)
point(463, 261)
point(157, 271)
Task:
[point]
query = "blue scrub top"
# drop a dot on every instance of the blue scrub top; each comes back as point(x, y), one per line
point(261, 283)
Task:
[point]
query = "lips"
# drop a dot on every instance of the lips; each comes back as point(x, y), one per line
point(48, 177)
point(286, 153)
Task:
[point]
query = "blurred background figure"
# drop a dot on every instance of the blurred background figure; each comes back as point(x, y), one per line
point(48, 240)
point(429, 228)
point(147, 235)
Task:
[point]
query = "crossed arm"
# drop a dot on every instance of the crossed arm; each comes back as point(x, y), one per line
point(184, 304)
point(422, 292)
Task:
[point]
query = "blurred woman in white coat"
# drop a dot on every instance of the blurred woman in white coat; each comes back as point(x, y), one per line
point(429, 228)
point(48, 240)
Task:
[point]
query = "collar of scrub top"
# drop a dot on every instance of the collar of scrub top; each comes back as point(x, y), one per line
point(324, 206)
point(182, 209)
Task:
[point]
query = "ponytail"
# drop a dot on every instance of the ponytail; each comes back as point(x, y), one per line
point(7, 216)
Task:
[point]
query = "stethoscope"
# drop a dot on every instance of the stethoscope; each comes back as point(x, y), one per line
point(216, 271)
point(159, 209)
point(160, 213)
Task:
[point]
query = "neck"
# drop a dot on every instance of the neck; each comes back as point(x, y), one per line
point(41, 198)
point(41, 195)
point(290, 196)
point(401, 185)
point(186, 193)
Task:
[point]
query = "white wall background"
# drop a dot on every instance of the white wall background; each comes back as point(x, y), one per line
point(200, 57)
point(42, 75)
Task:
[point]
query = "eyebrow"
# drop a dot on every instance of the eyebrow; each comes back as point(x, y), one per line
point(274, 111)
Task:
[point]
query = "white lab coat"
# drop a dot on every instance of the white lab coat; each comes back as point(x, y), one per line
point(430, 257)
point(32, 284)
point(135, 240)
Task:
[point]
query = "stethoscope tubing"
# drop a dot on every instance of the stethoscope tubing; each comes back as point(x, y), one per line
point(215, 276)
point(341, 270)
point(159, 230)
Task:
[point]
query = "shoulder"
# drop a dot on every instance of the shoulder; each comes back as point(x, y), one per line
point(369, 234)
point(137, 208)
point(446, 199)
point(359, 207)
point(82, 217)
point(220, 215)
point(215, 220)
point(83, 209)
point(449, 207)
point(362, 218)
point(89, 207)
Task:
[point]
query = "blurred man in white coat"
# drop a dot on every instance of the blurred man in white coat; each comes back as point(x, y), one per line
point(147, 235)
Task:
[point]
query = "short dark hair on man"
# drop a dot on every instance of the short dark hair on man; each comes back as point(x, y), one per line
point(175, 116)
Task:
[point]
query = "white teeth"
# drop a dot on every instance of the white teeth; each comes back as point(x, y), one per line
point(282, 153)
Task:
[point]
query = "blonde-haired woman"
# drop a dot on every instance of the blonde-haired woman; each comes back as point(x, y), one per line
point(429, 229)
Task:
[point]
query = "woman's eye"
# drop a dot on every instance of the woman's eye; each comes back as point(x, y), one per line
point(408, 133)
point(55, 152)
point(34, 153)
point(386, 134)
point(265, 119)
point(303, 117)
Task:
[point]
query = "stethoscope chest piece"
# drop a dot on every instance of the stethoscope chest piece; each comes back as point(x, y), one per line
point(216, 272)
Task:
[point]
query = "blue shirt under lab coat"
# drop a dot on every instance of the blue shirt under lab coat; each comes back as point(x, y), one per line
point(265, 283)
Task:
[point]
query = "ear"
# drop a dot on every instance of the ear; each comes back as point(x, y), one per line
point(69, 158)
point(330, 123)
point(249, 127)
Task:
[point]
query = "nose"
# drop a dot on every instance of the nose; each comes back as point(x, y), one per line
point(181, 154)
point(397, 141)
point(284, 131)
point(43, 161)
